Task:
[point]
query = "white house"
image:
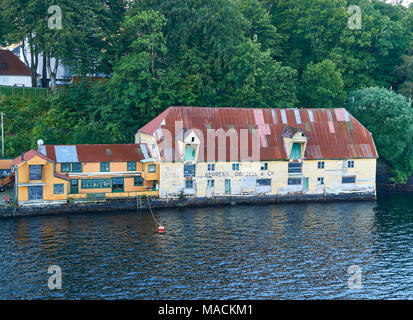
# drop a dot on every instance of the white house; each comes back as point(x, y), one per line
point(13, 72)
point(63, 75)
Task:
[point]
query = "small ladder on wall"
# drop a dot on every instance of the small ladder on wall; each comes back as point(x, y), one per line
point(139, 203)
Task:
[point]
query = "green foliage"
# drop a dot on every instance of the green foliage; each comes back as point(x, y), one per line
point(255, 79)
point(389, 117)
point(406, 70)
point(322, 86)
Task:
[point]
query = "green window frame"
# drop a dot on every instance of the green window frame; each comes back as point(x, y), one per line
point(65, 167)
point(71, 167)
point(105, 167)
point(118, 185)
point(76, 167)
point(138, 181)
point(131, 166)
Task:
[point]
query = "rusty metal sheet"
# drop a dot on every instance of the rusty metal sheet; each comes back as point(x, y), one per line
point(101, 153)
point(328, 130)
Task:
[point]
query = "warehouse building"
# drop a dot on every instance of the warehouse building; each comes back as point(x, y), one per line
point(221, 152)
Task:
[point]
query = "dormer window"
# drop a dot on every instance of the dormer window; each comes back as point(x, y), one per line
point(295, 142)
point(3, 66)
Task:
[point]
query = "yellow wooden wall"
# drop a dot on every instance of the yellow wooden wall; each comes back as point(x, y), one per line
point(48, 179)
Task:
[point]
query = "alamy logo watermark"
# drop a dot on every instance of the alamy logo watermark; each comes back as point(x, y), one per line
point(55, 280)
point(354, 281)
point(243, 143)
point(55, 21)
point(354, 22)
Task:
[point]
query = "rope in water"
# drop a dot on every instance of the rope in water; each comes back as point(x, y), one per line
point(150, 209)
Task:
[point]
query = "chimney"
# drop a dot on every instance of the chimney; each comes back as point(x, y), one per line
point(22, 156)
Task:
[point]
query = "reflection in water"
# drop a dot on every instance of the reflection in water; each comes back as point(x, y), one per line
point(286, 251)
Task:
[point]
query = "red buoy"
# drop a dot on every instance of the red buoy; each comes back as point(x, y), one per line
point(161, 229)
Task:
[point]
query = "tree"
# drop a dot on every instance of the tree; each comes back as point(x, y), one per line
point(406, 70)
point(322, 86)
point(255, 79)
point(28, 18)
point(142, 85)
point(388, 116)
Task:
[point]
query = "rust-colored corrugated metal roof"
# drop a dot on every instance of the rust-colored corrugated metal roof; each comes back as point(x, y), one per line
point(29, 155)
point(6, 163)
point(13, 66)
point(97, 152)
point(331, 133)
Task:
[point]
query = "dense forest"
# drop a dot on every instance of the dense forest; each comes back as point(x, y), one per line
point(243, 53)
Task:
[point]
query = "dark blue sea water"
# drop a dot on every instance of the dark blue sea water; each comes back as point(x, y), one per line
point(289, 251)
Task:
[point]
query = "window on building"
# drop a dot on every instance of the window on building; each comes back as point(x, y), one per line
point(193, 139)
point(264, 166)
point(152, 168)
point(104, 167)
point(295, 167)
point(138, 181)
point(65, 167)
point(350, 164)
point(320, 180)
point(59, 188)
point(189, 170)
point(263, 182)
point(210, 183)
point(36, 193)
point(189, 184)
point(117, 185)
point(351, 179)
point(95, 183)
point(3, 65)
point(321, 165)
point(131, 166)
point(235, 166)
point(294, 181)
point(76, 167)
point(71, 167)
point(35, 172)
point(211, 166)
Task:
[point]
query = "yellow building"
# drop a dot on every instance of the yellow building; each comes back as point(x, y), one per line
point(209, 152)
point(57, 173)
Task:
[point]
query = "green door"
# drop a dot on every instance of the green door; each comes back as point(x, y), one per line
point(189, 153)
point(227, 186)
point(117, 185)
point(74, 186)
point(305, 184)
point(296, 151)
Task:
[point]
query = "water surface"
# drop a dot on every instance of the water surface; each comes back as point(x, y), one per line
point(288, 251)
